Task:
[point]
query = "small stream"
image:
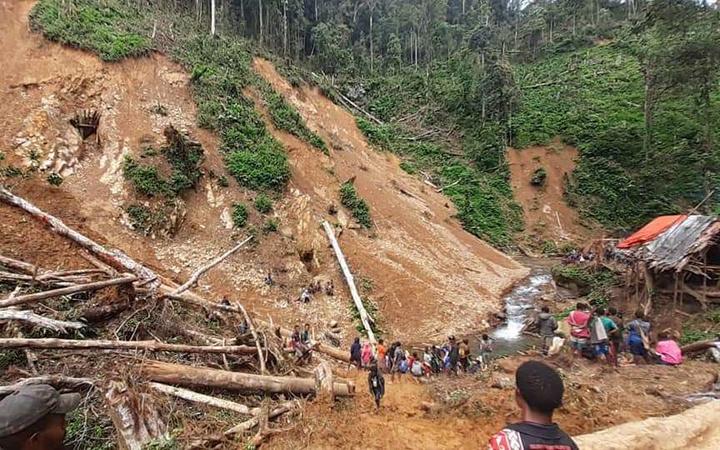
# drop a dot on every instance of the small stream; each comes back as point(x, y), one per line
point(520, 305)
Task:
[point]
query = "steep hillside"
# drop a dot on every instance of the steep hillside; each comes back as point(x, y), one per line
point(426, 275)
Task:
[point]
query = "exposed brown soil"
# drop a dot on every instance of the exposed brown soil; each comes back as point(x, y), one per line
point(468, 410)
point(430, 277)
point(547, 216)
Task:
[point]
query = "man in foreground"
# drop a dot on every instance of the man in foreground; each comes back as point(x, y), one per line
point(33, 418)
point(538, 392)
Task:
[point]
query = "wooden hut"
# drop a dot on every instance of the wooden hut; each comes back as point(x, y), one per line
point(674, 255)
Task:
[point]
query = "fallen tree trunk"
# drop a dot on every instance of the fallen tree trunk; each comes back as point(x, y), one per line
point(698, 346)
point(57, 381)
point(103, 312)
point(365, 318)
point(252, 423)
point(196, 275)
point(30, 298)
point(222, 379)
point(192, 299)
point(39, 321)
point(114, 258)
point(192, 396)
point(20, 266)
point(153, 346)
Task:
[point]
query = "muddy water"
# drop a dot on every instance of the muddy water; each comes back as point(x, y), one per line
point(520, 305)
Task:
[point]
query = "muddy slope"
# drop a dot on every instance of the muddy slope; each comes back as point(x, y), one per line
point(547, 216)
point(429, 275)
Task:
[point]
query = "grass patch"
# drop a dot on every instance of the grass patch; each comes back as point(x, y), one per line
point(263, 203)
point(286, 118)
point(239, 215)
point(106, 27)
point(595, 284)
point(357, 206)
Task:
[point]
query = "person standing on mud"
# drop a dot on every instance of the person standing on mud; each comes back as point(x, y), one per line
point(579, 331)
point(538, 393)
point(355, 353)
point(453, 356)
point(547, 326)
point(398, 357)
point(376, 383)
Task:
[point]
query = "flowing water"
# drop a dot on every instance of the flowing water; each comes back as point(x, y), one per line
point(520, 306)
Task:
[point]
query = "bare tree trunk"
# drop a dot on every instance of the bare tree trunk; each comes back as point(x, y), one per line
point(260, 17)
point(30, 298)
point(244, 382)
point(212, 17)
point(39, 321)
point(114, 258)
point(20, 266)
point(204, 399)
point(196, 275)
point(153, 346)
point(367, 321)
point(372, 54)
point(285, 28)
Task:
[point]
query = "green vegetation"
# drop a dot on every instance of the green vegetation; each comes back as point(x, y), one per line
point(54, 179)
point(145, 178)
point(596, 284)
point(690, 335)
point(239, 215)
point(357, 206)
point(87, 431)
point(271, 225)
point(263, 203)
point(107, 27)
point(539, 176)
point(285, 117)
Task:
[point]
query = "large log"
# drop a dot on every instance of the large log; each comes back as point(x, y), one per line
point(39, 321)
point(20, 266)
point(365, 318)
point(114, 258)
point(193, 299)
point(197, 397)
point(30, 298)
point(235, 381)
point(153, 346)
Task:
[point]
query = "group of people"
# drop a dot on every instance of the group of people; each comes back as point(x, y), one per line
point(602, 333)
point(452, 357)
point(316, 287)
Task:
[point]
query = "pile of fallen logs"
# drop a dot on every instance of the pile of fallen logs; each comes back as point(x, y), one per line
point(130, 400)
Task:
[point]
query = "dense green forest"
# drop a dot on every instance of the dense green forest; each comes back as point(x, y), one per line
point(633, 84)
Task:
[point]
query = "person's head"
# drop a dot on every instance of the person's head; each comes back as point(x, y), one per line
point(580, 306)
point(33, 418)
point(357, 340)
point(600, 311)
point(225, 301)
point(663, 336)
point(539, 389)
point(545, 309)
point(381, 342)
point(640, 314)
point(465, 341)
point(399, 344)
point(415, 355)
point(612, 311)
point(297, 328)
point(485, 337)
point(307, 326)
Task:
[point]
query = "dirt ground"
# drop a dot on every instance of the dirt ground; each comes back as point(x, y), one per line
point(430, 276)
point(468, 410)
point(427, 276)
point(547, 216)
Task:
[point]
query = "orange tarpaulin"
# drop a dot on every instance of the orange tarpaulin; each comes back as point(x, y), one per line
point(650, 231)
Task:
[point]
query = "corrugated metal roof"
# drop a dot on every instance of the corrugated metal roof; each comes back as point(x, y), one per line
point(673, 248)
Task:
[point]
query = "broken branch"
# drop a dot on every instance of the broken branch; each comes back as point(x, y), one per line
point(196, 275)
point(193, 396)
point(30, 298)
point(153, 346)
point(38, 320)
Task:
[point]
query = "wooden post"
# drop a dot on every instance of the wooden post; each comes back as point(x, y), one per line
point(365, 318)
point(30, 298)
point(675, 291)
point(704, 271)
